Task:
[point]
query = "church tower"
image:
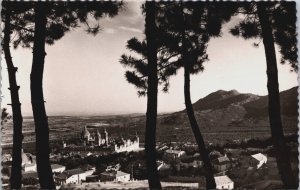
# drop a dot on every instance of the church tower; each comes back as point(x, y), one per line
point(98, 138)
point(85, 135)
point(106, 137)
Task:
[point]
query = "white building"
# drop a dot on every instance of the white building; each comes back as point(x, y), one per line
point(29, 167)
point(74, 176)
point(224, 182)
point(89, 170)
point(174, 154)
point(28, 162)
point(259, 160)
point(122, 176)
point(117, 176)
point(128, 145)
point(56, 168)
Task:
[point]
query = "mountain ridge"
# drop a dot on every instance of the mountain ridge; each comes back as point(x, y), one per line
point(231, 108)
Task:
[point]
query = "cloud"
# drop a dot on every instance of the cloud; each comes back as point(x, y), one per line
point(109, 30)
point(130, 29)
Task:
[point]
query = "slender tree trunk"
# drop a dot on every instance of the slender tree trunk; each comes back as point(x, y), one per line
point(209, 175)
point(151, 115)
point(210, 180)
point(16, 175)
point(37, 99)
point(282, 153)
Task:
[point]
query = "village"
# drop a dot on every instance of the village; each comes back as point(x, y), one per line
point(98, 159)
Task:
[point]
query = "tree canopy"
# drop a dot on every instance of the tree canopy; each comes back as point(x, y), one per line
point(283, 22)
point(62, 17)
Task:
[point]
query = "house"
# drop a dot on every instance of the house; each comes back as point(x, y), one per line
point(29, 167)
point(224, 182)
point(56, 168)
point(28, 162)
point(161, 165)
point(117, 176)
point(221, 164)
point(122, 176)
point(88, 169)
point(173, 154)
point(258, 160)
point(163, 169)
point(6, 157)
point(113, 167)
point(74, 176)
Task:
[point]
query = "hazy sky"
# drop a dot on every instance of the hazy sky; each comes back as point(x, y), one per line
point(83, 74)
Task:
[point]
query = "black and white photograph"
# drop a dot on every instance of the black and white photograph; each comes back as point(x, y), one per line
point(158, 95)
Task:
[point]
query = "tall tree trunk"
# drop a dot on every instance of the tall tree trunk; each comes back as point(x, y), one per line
point(210, 180)
point(282, 153)
point(209, 175)
point(151, 115)
point(16, 175)
point(37, 99)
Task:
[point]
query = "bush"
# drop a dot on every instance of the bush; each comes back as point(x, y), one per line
point(30, 181)
point(5, 171)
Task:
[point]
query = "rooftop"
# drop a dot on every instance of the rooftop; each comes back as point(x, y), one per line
point(259, 156)
point(174, 151)
point(114, 173)
point(67, 173)
point(56, 166)
point(222, 180)
point(221, 160)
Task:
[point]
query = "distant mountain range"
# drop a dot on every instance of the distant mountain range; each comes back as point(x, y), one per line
point(255, 105)
point(231, 108)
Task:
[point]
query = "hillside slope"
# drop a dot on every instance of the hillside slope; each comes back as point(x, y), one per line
point(232, 109)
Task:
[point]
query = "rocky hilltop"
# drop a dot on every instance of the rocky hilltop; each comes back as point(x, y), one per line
point(234, 109)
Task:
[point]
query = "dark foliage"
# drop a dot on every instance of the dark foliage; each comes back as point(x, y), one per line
point(282, 17)
point(274, 22)
point(38, 23)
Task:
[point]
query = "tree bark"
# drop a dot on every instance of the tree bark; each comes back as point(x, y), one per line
point(209, 175)
point(37, 99)
point(16, 175)
point(210, 180)
point(151, 115)
point(282, 153)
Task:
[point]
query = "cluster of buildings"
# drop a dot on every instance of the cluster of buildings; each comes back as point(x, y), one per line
point(221, 164)
point(94, 138)
point(171, 157)
point(74, 176)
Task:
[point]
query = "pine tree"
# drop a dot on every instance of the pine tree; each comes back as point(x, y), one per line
point(182, 42)
point(151, 115)
point(274, 22)
point(194, 24)
point(11, 10)
point(51, 21)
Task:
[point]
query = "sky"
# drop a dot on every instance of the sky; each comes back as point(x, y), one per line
point(83, 75)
